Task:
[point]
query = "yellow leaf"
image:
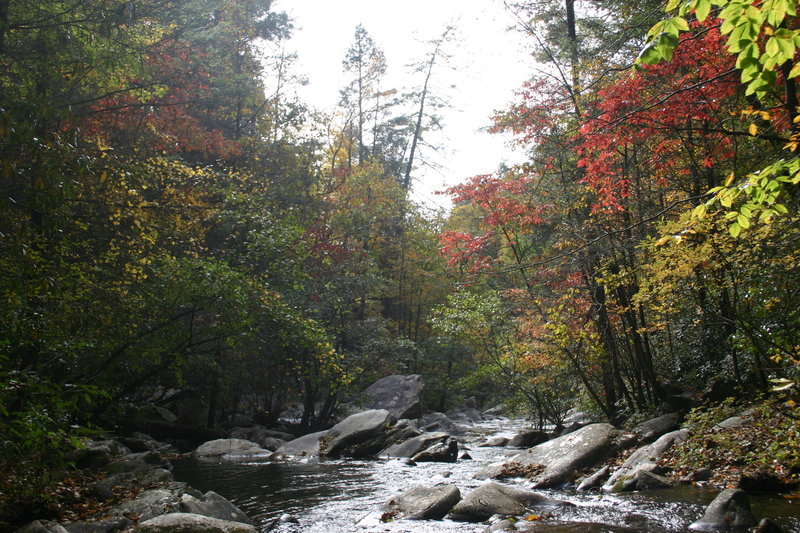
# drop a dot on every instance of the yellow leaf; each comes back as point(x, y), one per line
point(729, 179)
point(753, 129)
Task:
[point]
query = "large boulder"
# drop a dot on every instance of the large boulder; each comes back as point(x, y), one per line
point(213, 505)
point(643, 459)
point(425, 503)
point(730, 511)
point(345, 437)
point(191, 523)
point(556, 461)
point(650, 430)
point(494, 498)
point(400, 395)
point(415, 445)
point(305, 446)
point(442, 452)
point(229, 447)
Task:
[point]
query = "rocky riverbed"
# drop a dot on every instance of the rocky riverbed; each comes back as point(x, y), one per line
point(461, 471)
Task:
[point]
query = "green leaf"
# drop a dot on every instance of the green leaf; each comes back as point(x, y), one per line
point(702, 10)
point(735, 230)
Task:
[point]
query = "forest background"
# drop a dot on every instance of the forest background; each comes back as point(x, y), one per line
point(172, 219)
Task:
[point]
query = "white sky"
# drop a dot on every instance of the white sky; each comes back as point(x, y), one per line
point(488, 64)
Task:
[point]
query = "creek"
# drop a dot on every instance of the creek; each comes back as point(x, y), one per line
point(343, 496)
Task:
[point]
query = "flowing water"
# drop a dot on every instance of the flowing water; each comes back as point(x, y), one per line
point(345, 496)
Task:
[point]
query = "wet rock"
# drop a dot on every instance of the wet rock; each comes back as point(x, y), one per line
point(219, 447)
point(464, 415)
point(527, 439)
point(496, 441)
point(465, 456)
point(42, 526)
point(730, 511)
point(559, 459)
point(494, 498)
point(398, 394)
point(650, 430)
point(596, 479)
point(494, 412)
point(767, 526)
point(415, 445)
point(442, 452)
point(110, 525)
point(502, 525)
point(425, 503)
point(355, 430)
point(305, 446)
point(439, 422)
point(644, 457)
point(191, 523)
point(213, 505)
point(644, 478)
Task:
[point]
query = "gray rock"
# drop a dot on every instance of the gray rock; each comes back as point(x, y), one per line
point(155, 476)
point(496, 441)
point(42, 526)
point(645, 477)
point(440, 422)
point(577, 417)
point(261, 436)
point(213, 505)
point(415, 445)
point(305, 446)
point(650, 430)
point(644, 456)
point(596, 479)
point(560, 458)
point(400, 395)
point(355, 430)
point(148, 504)
point(767, 526)
point(442, 452)
point(136, 462)
point(110, 525)
point(233, 447)
point(191, 523)
point(527, 439)
point(502, 525)
point(104, 489)
point(730, 511)
point(426, 503)
point(730, 423)
point(494, 498)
